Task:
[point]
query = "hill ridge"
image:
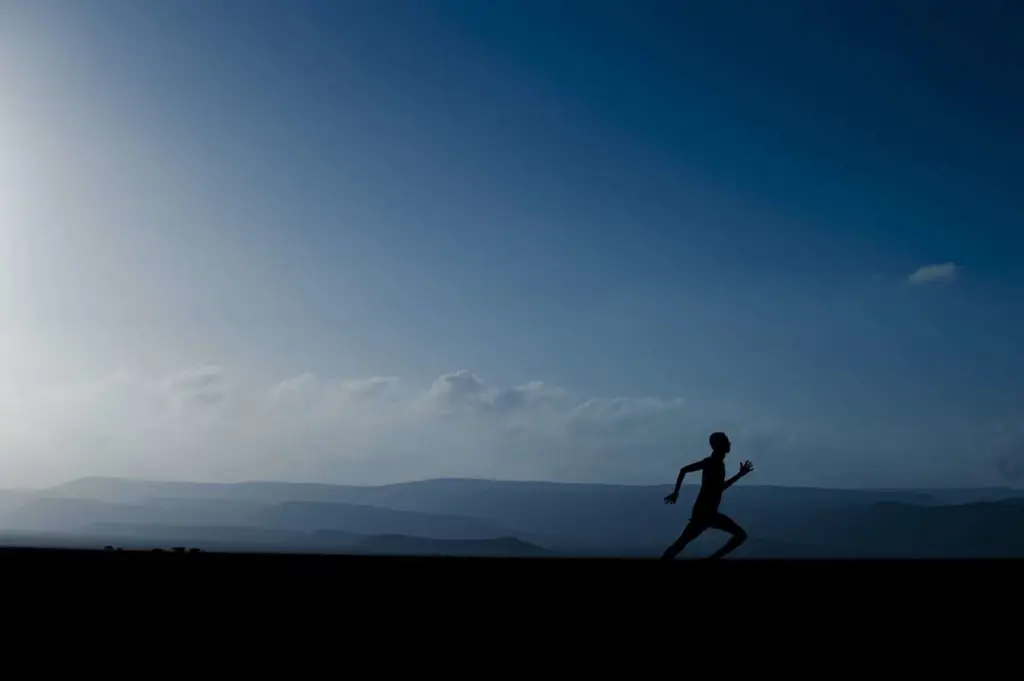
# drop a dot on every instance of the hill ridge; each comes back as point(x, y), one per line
point(495, 481)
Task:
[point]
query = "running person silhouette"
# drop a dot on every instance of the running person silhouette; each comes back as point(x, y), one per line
point(705, 514)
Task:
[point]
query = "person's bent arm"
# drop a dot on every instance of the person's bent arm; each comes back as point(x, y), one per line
point(730, 481)
point(691, 468)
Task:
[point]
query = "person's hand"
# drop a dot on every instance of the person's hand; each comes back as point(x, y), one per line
point(746, 467)
point(671, 498)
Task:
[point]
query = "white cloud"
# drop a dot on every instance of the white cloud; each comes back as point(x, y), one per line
point(204, 423)
point(205, 385)
point(941, 272)
point(208, 423)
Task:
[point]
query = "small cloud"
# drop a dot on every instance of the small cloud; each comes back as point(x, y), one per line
point(942, 272)
point(458, 390)
point(204, 385)
point(293, 390)
point(376, 387)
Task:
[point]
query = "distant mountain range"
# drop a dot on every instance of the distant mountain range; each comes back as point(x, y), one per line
point(491, 518)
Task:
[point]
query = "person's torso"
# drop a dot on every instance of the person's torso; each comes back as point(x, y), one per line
point(712, 483)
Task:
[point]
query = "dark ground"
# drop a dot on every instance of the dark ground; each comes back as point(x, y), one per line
point(442, 613)
point(537, 579)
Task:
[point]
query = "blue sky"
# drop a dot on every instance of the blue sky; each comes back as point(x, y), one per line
point(654, 201)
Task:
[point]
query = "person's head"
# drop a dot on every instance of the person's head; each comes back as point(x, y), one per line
point(720, 444)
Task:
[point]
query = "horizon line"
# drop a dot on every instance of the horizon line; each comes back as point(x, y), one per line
point(513, 481)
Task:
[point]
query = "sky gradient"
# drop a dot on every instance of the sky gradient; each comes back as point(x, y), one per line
point(367, 241)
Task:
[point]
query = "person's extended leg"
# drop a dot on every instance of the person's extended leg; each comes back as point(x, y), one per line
point(690, 532)
point(726, 524)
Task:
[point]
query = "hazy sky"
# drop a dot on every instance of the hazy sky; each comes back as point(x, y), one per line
point(375, 240)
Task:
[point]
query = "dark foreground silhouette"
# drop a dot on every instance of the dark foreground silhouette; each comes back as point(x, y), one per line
point(278, 593)
point(705, 514)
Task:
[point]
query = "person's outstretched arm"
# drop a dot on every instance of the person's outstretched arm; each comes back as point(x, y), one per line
point(744, 469)
point(691, 468)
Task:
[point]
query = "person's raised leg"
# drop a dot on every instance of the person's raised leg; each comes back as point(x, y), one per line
point(727, 524)
point(690, 532)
